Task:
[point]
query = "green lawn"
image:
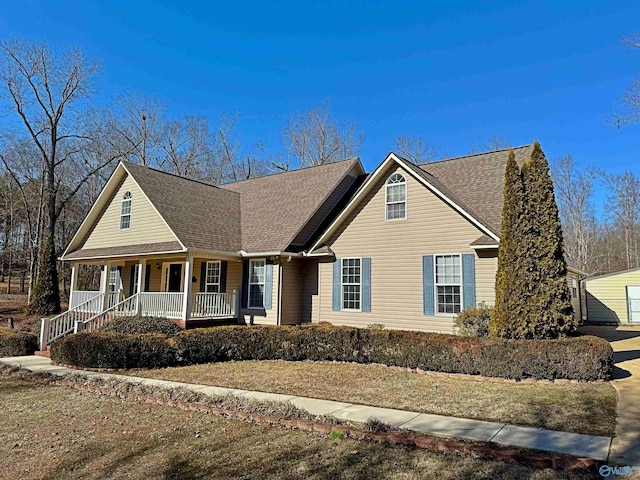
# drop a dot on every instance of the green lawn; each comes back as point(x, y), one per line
point(576, 407)
point(51, 432)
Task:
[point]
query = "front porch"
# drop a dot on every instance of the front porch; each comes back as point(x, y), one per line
point(181, 288)
point(194, 292)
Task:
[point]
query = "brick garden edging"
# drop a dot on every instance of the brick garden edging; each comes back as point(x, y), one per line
point(479, 450)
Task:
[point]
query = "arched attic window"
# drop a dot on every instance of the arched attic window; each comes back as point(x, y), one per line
point(396, 197)
point(125, 211)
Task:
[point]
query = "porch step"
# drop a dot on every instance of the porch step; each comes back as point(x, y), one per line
point(44, 353)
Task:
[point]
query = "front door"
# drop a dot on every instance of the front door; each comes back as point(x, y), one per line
point(633, 302)
point(175, 277)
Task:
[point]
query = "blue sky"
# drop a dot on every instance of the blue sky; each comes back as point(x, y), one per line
point(455, 73)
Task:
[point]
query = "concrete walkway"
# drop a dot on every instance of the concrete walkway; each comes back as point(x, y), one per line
point(625, 341)
point(510, 435)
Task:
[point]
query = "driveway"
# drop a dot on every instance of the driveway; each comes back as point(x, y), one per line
point(625, 448)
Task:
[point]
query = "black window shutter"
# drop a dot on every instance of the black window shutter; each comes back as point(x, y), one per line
point(132, 281)
point(245, 283)
point(203, 276)
point(147, 277)
point(223, 276)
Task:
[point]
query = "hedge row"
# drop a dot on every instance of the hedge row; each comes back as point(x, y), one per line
point(142, 324)
point(17, 344)
point(114, 350)
point(582, 358)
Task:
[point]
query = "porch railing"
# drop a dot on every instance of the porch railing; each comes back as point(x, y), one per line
point(162, 304)
point(205, 305)
point(57, 327)
point(80, 298)
point(126, 308)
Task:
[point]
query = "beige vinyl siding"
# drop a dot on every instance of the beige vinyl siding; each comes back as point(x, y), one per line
point(260, 316)
point(396, 249)
point(146, 224)
point(310, 306)
point(291, 293)
point(486, 268)
point(607, 296)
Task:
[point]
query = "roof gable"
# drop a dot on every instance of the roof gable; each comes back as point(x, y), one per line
point(108, 199)
point(423, 177)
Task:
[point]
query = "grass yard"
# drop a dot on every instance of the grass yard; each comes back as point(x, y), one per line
point(13, 306)
point(55, 433)
point(582, 408)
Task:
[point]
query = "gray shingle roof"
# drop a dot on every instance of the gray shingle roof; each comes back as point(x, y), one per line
point(478, 181)
point(202, 216)
point(276, 207)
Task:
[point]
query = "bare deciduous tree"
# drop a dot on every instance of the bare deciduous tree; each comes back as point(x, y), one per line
point(415, 149)
point(495, 142)
point(187, 147)
point(47, 91)
point(624, 207)
point(138, 120)
point(631, 97)
point(574, 193)
point(314, 138)
point(235, 163)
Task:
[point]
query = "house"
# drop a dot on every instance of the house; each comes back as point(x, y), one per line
point(614, 298)
point(407, 246)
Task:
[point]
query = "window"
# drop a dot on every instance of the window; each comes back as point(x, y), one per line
point(448, 284)
point(351, 283)
point(125, 211)
point(396, 197)
point(114, 279)
point(257, 270)
point(212, 279)
point(574, 288)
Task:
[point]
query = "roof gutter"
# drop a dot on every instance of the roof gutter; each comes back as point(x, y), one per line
point(244, 254)
point(484, 247)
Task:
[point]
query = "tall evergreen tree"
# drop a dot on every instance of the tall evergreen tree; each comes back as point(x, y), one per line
point(547, 303)
point(509, 277)
point(45, 297)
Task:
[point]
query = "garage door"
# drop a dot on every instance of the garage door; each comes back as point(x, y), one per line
point(633, 303)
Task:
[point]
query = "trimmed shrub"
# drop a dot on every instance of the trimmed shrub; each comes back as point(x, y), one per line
point(474, 322)
point(114, 350)
point(139, 325)
point(583, 358)
point(17, 344)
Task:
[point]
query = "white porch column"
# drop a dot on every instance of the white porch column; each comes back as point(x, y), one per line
point(186, 302)
point(104, 285)
point(142, 266)
point(73, 285)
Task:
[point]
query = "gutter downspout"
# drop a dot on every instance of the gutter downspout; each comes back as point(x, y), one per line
point(279, 316)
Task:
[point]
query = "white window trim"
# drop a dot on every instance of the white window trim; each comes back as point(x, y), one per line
point(130, 200)
point(206, 276)
point(116, 281)
point(387, 203)
point(436, 285)
point(342, 309)
point(264, 284)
